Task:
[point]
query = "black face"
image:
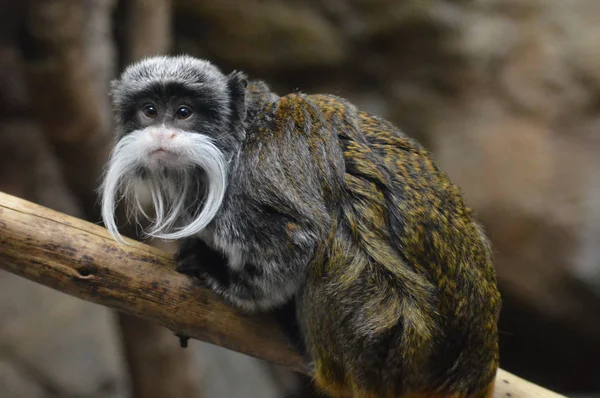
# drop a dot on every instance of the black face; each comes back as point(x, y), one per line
point(173, 105)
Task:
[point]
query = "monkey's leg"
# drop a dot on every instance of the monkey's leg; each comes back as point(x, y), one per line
point(352, 334)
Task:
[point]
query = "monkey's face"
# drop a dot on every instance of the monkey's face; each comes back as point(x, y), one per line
point(171, 125)
point(176, 131)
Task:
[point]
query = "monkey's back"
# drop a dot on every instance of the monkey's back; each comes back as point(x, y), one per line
point(402, 298)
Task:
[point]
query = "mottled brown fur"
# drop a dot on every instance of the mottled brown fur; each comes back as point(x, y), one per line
point(418, 296)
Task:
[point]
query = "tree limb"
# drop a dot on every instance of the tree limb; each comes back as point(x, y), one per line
point(148, 29)
point(65, 92)
point(81, 259)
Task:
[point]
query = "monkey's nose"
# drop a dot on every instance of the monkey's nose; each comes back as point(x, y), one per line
point(163, 134)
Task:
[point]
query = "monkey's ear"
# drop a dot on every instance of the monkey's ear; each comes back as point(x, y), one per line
point(239, 78)
point(237, 82)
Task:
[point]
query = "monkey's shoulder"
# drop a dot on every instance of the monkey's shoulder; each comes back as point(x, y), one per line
point(318, 114)
point(341, 117)
point(305, 115)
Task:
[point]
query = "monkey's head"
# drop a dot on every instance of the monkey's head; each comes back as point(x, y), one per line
point(179, 122)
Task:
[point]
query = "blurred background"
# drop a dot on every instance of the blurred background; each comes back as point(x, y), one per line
point(506, 93)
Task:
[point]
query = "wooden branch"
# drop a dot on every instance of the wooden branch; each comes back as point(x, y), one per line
point(81, 259)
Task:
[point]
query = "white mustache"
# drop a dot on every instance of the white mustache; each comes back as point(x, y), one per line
point(168, 191)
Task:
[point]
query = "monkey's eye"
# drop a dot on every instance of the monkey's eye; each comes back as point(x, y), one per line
point(150, 111)
point(183, 112)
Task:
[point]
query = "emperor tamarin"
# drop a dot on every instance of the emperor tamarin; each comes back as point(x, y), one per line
point(307, 202)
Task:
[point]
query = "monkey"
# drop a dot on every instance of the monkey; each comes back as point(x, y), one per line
point(306, 203)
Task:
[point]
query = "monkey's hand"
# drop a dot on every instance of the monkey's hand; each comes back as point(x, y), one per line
point(197, 260)
point(210, 269)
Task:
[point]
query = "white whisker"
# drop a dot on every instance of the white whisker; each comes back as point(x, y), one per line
point(157, 201)
point(138, 205)
point(169, 188)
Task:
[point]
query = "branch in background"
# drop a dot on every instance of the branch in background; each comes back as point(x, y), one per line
point(81, 259)
point(65, 99)
point(147, 30)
